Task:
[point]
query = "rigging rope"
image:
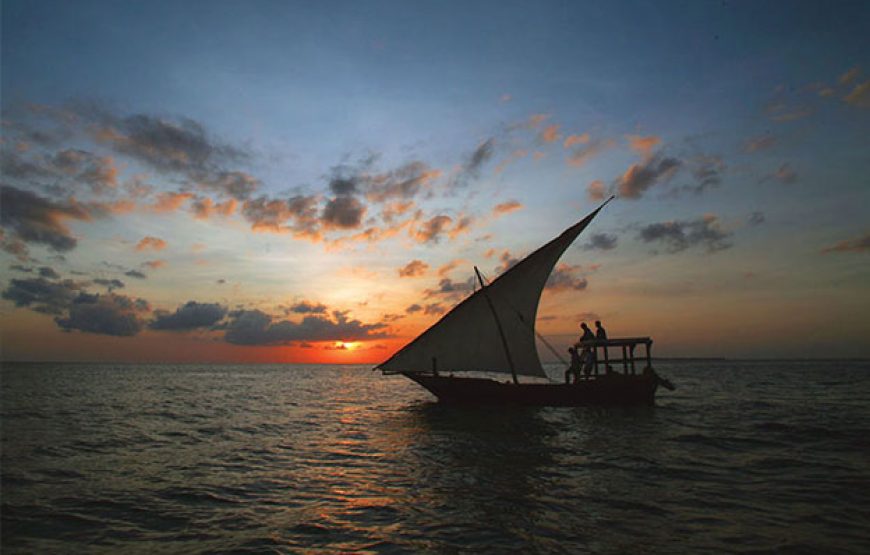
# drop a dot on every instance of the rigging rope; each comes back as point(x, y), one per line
point(531, 327)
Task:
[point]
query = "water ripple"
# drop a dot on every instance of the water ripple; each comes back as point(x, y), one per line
point(760, 457)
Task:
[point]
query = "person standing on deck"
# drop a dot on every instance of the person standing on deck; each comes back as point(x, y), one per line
point(587, 356)
point(600, 332)
point(575, 366)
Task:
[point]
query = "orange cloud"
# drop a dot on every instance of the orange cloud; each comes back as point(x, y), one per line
point(515, 155)
point(581, 155)
point(596, 190)
point(463, 225)
point(550, 133)
point(761, 142)
point(447, 268)
point(643, 145)
point(414, 268)
point(537, 119)
point(155, 264)
point(850, 75)
point(506, 208)
point(170, 202)
point(432, 229)
point(572, 140)
point(860, 244)
point(149, 242)
point(860, 95)
point(204, 208)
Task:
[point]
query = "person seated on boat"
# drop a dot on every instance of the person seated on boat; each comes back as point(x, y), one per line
point(574, 368)
point(600, 332)
point(587, 334)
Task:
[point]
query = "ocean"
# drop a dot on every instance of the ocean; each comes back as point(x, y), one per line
point(744, 457)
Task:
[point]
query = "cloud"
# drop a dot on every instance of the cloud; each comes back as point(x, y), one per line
point(135, 274)
point(448, 267)
point(859, 244)
point(41, 295)
point(475, 162)
point(759, 143)
point(564, 278)
point(707, 171)
point(414, 268)
point(643, 145)
point(678, 236)
point(449, 289)
point(536, 120)
point(16, 167)
point(572, 140)
point(782, 111)
point(155, 264)
point(306, 307)
point(580, 155)
point(434, 309)
point(640, 177)
point(601, 241)
point(550, 134)
point(108, 314)
point(413, 308)
point(167, 145)
point(170, 202)
point(850, 75)
point(36, 219)
point(48, 273)
point(236, 184)
point(343, 212)
point(204, 208)
point(432, 229)
point(506, 207)
point(149, 242)
point(507, 262)
point(405, 182)
point(860, 95)
point(596, 190)
point(253, 327)
point(297, 214)
point(514, 156)
point(188, 316)
point(756, 218)
point(110, 284)
point(784, 174)
point(463, 225)
point(98, 173)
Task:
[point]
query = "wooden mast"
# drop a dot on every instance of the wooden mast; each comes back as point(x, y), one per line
point(498, 325)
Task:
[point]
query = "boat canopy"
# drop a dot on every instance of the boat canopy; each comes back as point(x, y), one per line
point(493, 330)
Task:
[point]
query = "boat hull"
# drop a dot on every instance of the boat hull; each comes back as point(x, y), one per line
point(611, 389)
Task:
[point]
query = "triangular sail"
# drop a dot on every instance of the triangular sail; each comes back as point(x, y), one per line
point(467, 338)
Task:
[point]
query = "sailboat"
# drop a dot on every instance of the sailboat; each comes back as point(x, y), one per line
point(492, 331)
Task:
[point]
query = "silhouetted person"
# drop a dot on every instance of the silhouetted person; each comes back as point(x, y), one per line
point(586, 356)
point(574, 368)
point(600, 332)
point(587, 333)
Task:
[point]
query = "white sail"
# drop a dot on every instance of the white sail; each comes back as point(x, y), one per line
point(468, 338)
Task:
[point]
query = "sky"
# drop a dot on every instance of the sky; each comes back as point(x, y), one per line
point(316, 181)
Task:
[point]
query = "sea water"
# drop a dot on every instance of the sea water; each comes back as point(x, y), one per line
point(744, 457)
